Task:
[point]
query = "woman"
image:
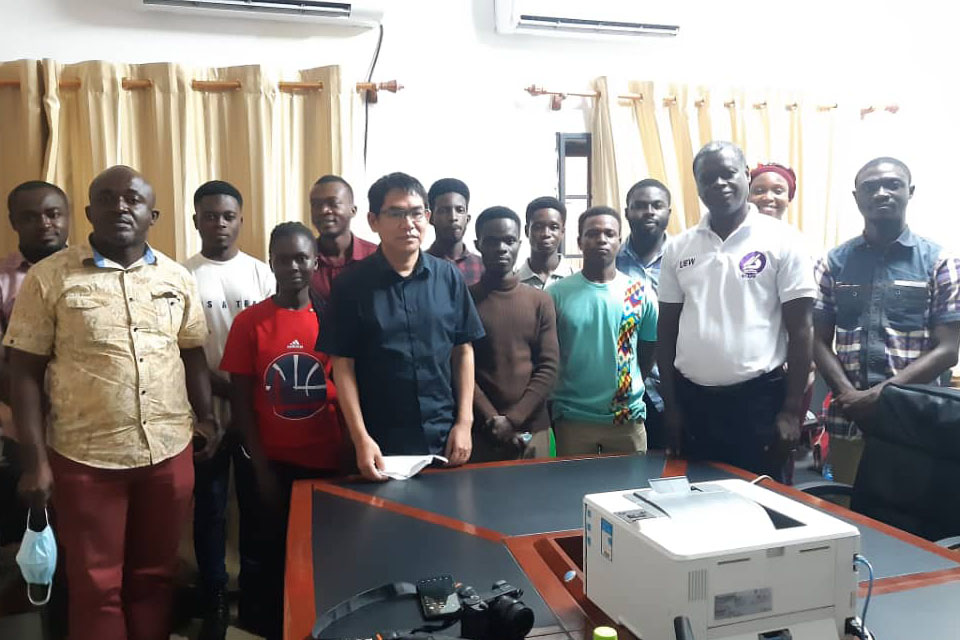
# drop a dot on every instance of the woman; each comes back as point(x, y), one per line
point(772, 187)
point(285, 407)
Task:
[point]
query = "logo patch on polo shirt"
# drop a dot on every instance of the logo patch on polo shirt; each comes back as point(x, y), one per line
point(686, 262)
point(752, 264)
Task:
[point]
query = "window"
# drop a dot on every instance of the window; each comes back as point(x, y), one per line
point(573, 169)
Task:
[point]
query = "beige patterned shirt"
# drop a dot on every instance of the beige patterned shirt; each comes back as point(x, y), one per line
point(118, 396)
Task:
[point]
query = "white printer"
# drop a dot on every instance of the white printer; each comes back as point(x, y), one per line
point(739, 561)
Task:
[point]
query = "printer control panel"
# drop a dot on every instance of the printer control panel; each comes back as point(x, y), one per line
point(635, 515)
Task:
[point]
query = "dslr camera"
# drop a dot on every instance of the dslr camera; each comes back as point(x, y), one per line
point(495, 615)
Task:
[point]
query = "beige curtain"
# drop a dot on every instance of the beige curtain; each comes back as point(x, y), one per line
point(270, 144)
point(823, 139)
point(605, 184)
point(22, 133)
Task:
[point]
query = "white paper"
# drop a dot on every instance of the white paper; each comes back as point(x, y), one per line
point(405, 467)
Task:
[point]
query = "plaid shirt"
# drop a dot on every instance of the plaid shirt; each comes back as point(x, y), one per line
point(884, 304)
point(469, 264)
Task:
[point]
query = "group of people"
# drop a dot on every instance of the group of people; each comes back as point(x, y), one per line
point(136, 383)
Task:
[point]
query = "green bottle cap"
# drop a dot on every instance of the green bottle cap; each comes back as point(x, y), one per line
point(604, 633)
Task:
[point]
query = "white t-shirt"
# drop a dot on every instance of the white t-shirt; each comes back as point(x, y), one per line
point(226, 289)
point(731, 327)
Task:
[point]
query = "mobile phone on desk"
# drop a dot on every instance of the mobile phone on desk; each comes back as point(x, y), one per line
point(438, 597)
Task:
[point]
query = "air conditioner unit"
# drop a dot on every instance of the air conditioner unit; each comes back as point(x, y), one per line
point(587, 18)
point(361, 13)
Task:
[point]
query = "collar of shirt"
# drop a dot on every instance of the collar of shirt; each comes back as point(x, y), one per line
point(752, 213)
point(524, 272)
point(906, 239)
point(420, 270)
point(101, 262)
point(463, 256)
point(627, 250)
point(337, 261)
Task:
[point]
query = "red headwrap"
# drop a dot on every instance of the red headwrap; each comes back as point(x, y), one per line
point(785, 172)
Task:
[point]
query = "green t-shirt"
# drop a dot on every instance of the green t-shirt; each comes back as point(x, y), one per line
point(598, 326)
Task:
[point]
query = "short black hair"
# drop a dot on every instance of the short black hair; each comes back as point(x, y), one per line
point(327, 179)
point(596, 211)
point(649, 182)
point(545, 202)
point(34, 185)
point(447, 185)
point(497, 213)
point(290, 229)
point(216, 188)
point(715, 147)
point(884, 160)
point(396, 180)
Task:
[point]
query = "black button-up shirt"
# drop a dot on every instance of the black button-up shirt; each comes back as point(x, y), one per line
point(400, 333)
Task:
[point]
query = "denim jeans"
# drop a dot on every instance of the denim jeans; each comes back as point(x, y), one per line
point(211, 491)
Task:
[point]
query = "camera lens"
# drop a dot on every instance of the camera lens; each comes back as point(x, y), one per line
point(512, 619)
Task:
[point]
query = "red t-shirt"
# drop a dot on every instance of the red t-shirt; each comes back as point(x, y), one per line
point(295, 401)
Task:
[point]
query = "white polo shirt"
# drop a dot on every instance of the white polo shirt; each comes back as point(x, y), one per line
point(731, 327)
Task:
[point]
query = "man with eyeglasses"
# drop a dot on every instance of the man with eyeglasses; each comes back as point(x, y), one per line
point(331, 210)
point(399, 325)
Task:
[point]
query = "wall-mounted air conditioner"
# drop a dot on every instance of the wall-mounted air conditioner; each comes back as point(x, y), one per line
point(360, 13)
point(587, 18)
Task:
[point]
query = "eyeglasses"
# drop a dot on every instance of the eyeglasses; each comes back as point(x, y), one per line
point(414, 215)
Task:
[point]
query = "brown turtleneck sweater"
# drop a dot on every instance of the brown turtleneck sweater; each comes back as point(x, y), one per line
point(516, 362)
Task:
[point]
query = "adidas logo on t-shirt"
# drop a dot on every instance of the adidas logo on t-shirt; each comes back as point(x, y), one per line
point(295, 345)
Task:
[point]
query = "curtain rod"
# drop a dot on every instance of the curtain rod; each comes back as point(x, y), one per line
point(133, 84)
point(557, 97)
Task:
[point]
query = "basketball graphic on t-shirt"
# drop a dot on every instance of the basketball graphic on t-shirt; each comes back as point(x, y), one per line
point(295, 385)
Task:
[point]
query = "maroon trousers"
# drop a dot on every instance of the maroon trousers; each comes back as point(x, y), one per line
point(119, 530)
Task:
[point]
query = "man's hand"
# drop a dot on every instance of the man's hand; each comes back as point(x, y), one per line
point(501, 430)
point(788, 430)
point(210, 433)
point(673, 424)
point(35, 487)
point(370, 460)
point(859, 406)
point(459, 445)
point(504, 436)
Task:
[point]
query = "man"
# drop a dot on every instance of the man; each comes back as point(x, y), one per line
point(228, 281)
point(117, 331)
point(736, 294)
point(647, 213)
point(546, 218)
point(516, 362)
point(607, 326)
point(640, 257)
point(449, 200)
point(40, 216)
point(890, 301)
point(331, 210)
point(400, 325)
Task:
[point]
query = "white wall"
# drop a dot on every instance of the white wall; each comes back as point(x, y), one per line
point(464, 112)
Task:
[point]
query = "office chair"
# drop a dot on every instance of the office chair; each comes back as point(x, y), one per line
point(910, 468)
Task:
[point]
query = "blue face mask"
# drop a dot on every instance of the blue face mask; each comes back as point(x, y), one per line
point(38, 558)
